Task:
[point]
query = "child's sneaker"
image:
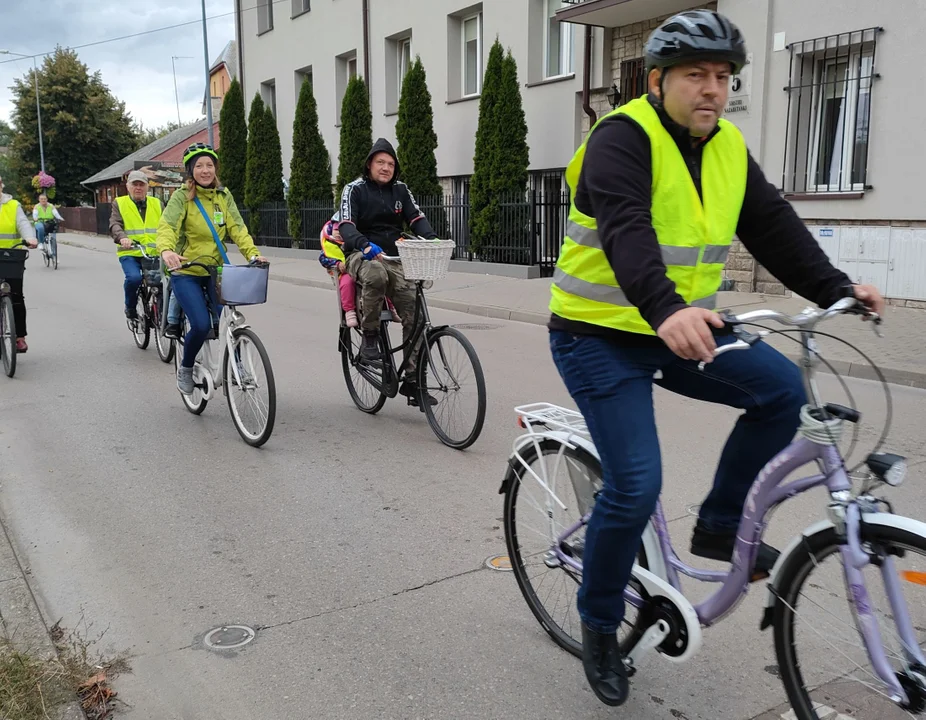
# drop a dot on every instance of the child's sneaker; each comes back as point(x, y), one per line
point(350, 317)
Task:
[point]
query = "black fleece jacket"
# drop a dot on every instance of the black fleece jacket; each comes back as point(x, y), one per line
point(615, 187)
point(376, 213)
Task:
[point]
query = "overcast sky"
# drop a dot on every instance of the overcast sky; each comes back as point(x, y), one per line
point(138, 70)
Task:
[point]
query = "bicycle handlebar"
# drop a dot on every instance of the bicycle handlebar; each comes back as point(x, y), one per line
point(805, 320)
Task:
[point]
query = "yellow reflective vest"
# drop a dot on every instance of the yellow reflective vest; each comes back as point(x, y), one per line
point(139, 230)
point(9, 233)
point(694, 236)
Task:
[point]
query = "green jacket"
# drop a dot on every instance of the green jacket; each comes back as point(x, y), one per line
point(184, 230)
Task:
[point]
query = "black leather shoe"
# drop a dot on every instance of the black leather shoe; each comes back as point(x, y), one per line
point(369, 350)
point(719, 546)
point(410, 390)
point(604, 666)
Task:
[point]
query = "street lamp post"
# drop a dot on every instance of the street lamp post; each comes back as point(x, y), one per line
point(38, 108)
point(208, 89)
point(176, 94)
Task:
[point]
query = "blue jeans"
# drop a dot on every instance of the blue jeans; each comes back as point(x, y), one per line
point(40, 231)
point(190, 292)
point(131, 266)
point(612, 387)
point(173, 307)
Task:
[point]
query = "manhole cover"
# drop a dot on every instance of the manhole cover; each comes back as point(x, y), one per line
point(499, 562)
point(476, 326)
point(229, 637)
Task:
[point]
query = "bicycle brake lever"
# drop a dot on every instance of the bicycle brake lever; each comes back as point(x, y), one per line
point(746, 340)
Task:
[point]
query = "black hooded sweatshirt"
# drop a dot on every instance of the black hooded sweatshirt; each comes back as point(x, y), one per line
point(374, 213)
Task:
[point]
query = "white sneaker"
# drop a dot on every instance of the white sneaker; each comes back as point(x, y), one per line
point(350, 317)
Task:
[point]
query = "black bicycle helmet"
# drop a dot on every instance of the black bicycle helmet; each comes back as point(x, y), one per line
point(194, 151)
point(695, 35)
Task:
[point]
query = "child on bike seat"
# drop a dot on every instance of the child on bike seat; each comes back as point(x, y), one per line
point(332, 259)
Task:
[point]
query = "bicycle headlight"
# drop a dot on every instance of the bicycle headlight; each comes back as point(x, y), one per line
point(888, 467)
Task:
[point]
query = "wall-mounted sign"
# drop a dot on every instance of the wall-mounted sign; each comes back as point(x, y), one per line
point(740, 90)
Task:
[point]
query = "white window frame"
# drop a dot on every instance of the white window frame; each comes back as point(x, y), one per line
point(478, 18)
point(403, 63)
point(567, 43)
point(856, 60)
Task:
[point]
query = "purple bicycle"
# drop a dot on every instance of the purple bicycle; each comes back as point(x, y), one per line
point(876, 559)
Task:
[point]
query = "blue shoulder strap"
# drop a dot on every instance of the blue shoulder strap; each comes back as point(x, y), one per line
point(215, 235)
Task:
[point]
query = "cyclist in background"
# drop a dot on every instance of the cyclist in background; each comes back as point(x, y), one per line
point(42, 213)
point(186, 233)
point(15, 227)
point(374, 209)
point(134, 219)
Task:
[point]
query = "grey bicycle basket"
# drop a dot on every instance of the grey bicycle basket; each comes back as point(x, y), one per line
point(243, 284)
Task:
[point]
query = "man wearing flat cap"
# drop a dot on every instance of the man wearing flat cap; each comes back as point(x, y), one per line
point(134, 219)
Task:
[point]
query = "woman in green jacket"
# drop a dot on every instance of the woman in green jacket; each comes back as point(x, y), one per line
point(185, 234)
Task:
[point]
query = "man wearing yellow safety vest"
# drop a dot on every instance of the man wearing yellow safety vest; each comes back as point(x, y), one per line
point(659, 188)
point(134, 219)
point(15, 228)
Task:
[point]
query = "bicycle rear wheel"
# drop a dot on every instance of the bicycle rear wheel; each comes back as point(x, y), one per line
point(549, 586)
point(446, 368)
point(164, 345)
point(7, 336)
point(816, 626)
point(364, 380)
point(140, 327)
point(196, 402)
point(252, 402)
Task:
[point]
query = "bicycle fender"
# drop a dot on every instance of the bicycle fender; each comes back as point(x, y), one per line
point(563, 438)
point(898, 522)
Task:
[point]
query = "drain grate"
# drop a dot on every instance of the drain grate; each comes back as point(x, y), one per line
point(476, 326)
point(229, 637)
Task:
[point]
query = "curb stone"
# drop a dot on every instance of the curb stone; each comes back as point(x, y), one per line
point(894, 376)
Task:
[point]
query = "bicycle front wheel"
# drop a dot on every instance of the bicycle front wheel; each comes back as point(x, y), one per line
point(449, 372)
point(822, 659)
point(535, 523)
point(252, 401)
point(7, 336)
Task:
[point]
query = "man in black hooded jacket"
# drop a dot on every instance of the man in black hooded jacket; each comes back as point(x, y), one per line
point(374, 210)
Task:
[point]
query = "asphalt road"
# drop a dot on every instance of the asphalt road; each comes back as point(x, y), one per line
point(355, 543)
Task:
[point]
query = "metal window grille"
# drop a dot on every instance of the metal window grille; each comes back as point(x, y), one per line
point(829, 111)
point(633, 79)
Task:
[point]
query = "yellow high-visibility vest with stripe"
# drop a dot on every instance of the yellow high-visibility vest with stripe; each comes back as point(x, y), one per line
point(45, 213)
point(9, 233)
point(139, 230)
point(694, 236)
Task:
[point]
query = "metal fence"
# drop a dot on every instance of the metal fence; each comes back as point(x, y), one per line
point(527, 228)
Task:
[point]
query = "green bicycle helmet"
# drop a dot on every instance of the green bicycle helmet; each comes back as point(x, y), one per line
point(194, 151)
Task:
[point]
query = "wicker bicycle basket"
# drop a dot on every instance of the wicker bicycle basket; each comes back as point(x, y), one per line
point(425, 259)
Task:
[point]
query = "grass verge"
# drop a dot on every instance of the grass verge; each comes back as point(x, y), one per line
point(33, 685)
